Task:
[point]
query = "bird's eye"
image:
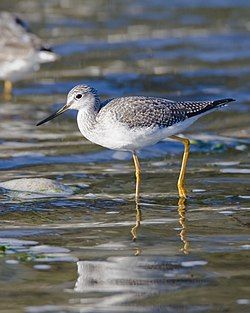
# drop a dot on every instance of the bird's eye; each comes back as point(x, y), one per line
point(78, 96)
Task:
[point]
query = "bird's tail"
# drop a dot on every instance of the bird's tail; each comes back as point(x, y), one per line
point(203, 107)
point(46, 54)
point(222, 102)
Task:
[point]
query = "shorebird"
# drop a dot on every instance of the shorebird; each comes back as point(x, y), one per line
point(134, 122)
point(21, 51)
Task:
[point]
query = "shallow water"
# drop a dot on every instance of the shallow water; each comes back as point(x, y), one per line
point(75, 253)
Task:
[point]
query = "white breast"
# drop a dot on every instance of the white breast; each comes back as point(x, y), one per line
point(114, 135)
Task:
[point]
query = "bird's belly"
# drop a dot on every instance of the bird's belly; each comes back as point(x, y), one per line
point(120, 137)
point(127, 140)
point(17, 69)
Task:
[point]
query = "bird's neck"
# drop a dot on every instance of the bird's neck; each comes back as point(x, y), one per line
point(86, 117)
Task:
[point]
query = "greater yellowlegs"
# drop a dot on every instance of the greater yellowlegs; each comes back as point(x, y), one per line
point(21, 51)
point(132, 123)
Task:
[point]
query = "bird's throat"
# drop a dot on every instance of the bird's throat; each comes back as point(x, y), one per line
point(86, 120)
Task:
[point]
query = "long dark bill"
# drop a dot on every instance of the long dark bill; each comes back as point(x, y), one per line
point(59, 112)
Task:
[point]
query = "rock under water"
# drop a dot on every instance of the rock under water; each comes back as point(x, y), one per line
point(41, 187)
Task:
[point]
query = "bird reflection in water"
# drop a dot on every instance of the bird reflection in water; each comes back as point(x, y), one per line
point(22, 52)
point(182, 222)
point(138, 218)
point(121, 279)
point(135, 229)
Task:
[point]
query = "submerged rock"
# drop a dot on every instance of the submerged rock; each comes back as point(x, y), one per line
point(36, 187)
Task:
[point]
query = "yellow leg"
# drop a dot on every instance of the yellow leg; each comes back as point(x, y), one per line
point(7, 89)
point(138, 176)
point(181, 180)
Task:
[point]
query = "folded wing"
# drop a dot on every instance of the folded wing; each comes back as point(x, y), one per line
point(139, 112)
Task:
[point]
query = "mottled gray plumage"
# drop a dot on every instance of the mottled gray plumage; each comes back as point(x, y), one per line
point(138, 111)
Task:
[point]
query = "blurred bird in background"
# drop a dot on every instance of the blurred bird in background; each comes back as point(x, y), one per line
point(21, 51)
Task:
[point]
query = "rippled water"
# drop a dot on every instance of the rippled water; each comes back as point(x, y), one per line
point(73, 252)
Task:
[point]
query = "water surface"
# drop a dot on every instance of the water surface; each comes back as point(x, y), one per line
point(75, 253)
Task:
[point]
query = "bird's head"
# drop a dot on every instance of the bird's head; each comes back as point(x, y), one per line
point(80, 97)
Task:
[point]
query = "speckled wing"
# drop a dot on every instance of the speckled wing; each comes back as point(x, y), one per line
point(140, 112)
